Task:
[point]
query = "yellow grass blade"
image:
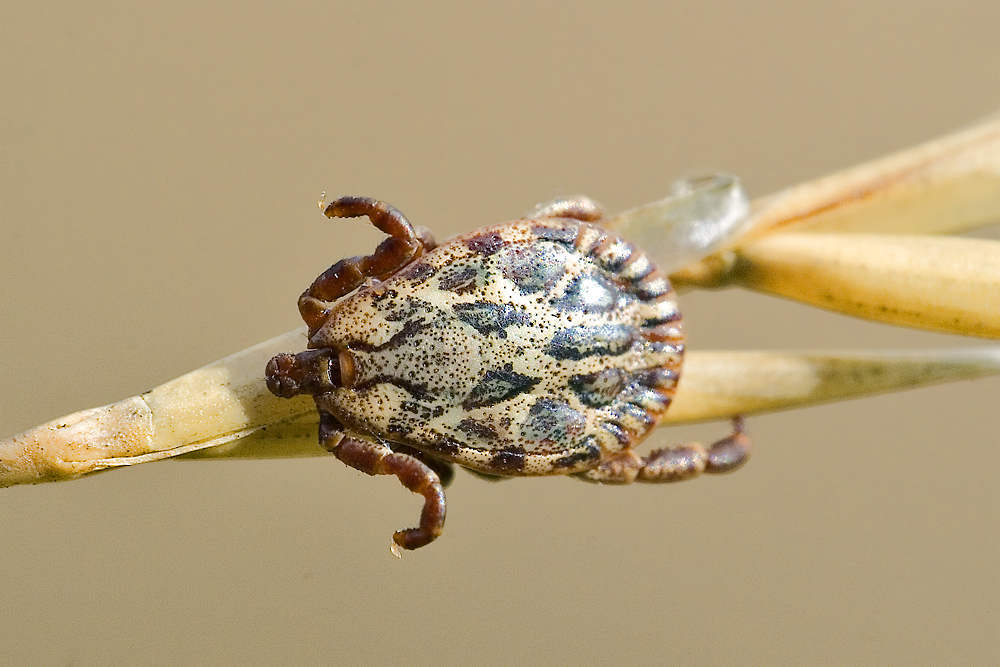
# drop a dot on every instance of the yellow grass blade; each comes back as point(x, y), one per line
point(212, 410)
point(716, 385)
point(212, 405)
point(942, 284)
point(947, 185)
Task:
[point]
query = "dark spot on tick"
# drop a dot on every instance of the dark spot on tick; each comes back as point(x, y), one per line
point(477, 429)
point(486, 317)
point(445, 445)
point(416, 409)
point(564, 235)
point(552, 420)
point(484, 244)
point(600, 388)
point(497, 386)
point(579, 342)
point(411, 309)
point(398, 428)
point(508, 460)
point(459, 282)
point(418, 272)
point(533, 268)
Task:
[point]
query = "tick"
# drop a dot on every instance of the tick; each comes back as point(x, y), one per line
point(542, 346)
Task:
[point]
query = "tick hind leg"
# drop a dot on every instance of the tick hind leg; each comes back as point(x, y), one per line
point(405, 243)
point(675, 464)
point(376, 458)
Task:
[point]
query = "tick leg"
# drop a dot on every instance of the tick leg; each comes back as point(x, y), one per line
point(675, 464)
point(578, 208)
point(445, 471)
point(403, 246)
point(376, 458)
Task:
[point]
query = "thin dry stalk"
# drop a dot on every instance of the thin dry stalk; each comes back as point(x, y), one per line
point(952, 184)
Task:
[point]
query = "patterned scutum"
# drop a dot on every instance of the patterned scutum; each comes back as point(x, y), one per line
point(528, 348)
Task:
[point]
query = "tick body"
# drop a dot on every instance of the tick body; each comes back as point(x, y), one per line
point(543, 346)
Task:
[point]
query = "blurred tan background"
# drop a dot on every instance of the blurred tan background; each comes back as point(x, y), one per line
point(160, 170)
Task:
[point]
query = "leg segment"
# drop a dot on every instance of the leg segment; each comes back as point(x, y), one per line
point(445, 471)
point(675, 464)
point(403, 246)
point(376, 458)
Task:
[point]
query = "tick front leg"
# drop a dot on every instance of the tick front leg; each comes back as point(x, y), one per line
point(675, 464)
point(405, 243)
point(376, 458)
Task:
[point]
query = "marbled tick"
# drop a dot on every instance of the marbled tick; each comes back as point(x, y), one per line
point(543, 346)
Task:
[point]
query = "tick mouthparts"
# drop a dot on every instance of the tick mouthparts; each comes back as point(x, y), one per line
point(311, 372)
